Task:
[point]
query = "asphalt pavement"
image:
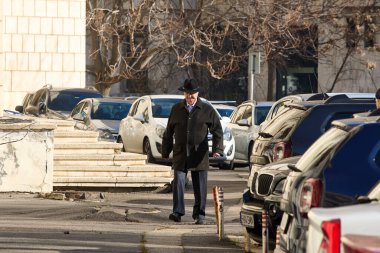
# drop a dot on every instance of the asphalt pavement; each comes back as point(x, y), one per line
point(121, 221)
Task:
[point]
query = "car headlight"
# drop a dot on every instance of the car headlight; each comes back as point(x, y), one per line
point(105, 135)
point(160, 130)
point(227, 135)
point(279, 187)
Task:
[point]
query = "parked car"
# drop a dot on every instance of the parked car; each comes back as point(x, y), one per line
point(224, 110)
point(57, 102)
point(327, 226)
point(142, 130)
point(289, 134)
point(268, 182)
point(102, 115)
point(354, 243)
point(279, 104)
point(340, 166)
point(21, 108)
point(245, 122)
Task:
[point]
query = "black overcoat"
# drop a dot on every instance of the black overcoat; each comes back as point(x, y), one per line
point(189, 130)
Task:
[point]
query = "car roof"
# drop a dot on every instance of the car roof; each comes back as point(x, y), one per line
point(258, 103)
point(75, 90)
point(353, 122)
point(322, 95)
point(174, 96)
point(222, 106)
point(110, 100)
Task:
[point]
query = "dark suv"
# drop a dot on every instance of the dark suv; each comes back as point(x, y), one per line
point(341, 165)
point(288, 134)
point(57, 102)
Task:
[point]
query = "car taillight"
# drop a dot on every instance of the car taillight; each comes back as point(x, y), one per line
point(281, 150)
point(331, 237)
point(311, 194)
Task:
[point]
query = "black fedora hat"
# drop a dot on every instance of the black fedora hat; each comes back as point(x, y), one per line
point(190, 86)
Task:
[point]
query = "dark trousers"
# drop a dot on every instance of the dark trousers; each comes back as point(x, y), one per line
point(199, 179)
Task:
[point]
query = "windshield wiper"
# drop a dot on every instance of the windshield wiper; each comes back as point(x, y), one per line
point(294, 168)
point(265, 135)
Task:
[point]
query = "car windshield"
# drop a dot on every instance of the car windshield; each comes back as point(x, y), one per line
point(322, 148)
point(224, 112)
point(161, 107)
point(110, 110)
point(67, 100)
point(261, 113)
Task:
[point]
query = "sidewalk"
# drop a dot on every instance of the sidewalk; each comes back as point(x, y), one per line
point(117, 222)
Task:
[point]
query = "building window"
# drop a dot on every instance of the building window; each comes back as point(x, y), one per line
point(352, 34)
point(360, 30)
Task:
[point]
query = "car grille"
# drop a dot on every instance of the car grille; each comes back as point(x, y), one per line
point(263, 184)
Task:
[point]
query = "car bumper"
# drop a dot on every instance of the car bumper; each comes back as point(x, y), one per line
point(228, 153)
point(251, 211)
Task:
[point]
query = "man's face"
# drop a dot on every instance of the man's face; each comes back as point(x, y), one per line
point(191, 98)
point(377, 103)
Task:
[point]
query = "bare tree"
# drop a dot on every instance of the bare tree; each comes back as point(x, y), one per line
point(130, 37)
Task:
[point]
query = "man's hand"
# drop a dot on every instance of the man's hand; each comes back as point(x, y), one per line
point(215, 155)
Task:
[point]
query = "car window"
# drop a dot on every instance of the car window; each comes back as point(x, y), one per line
point(142, 108)
point(352, 168)
point(277, 109)
point(337, 116)
point(66, 100)
point(322, 148)
point(248, 114)
point(87, 108)
point(40, 96)
point(283, 123)
point(109, 110)
point(161, 107)
point(27, 99)
point(238, 114)
point(261, 113)
point(132, 111)
point(224, 112)
point(77, 109)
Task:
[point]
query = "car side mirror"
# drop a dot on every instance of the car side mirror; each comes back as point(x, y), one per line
point(243, 122)
point(139, 117)
point(41, 108)
point(19, 108)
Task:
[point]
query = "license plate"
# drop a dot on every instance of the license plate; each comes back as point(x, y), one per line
point(247, 220)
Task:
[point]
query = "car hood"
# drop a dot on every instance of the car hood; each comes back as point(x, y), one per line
point(111, 125)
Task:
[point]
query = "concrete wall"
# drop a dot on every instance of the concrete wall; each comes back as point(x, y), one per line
point(42, 42)
point(26, 157)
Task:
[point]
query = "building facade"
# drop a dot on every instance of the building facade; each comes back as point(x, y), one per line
point(41, 42)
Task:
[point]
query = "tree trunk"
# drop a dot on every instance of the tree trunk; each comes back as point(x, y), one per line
point(103, 88)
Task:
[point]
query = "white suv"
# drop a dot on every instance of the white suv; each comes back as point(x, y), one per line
point(142, 130)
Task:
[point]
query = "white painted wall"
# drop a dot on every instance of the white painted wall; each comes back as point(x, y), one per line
point(26, 158)
point(41, 42)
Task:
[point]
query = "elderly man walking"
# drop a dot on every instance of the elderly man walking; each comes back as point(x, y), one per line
point(189, 124)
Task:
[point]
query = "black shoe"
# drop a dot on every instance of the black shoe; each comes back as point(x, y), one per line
point(175, 217)
point(199, 221)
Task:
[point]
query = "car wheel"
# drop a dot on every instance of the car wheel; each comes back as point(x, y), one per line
point(148, 151)
point(119, 140)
